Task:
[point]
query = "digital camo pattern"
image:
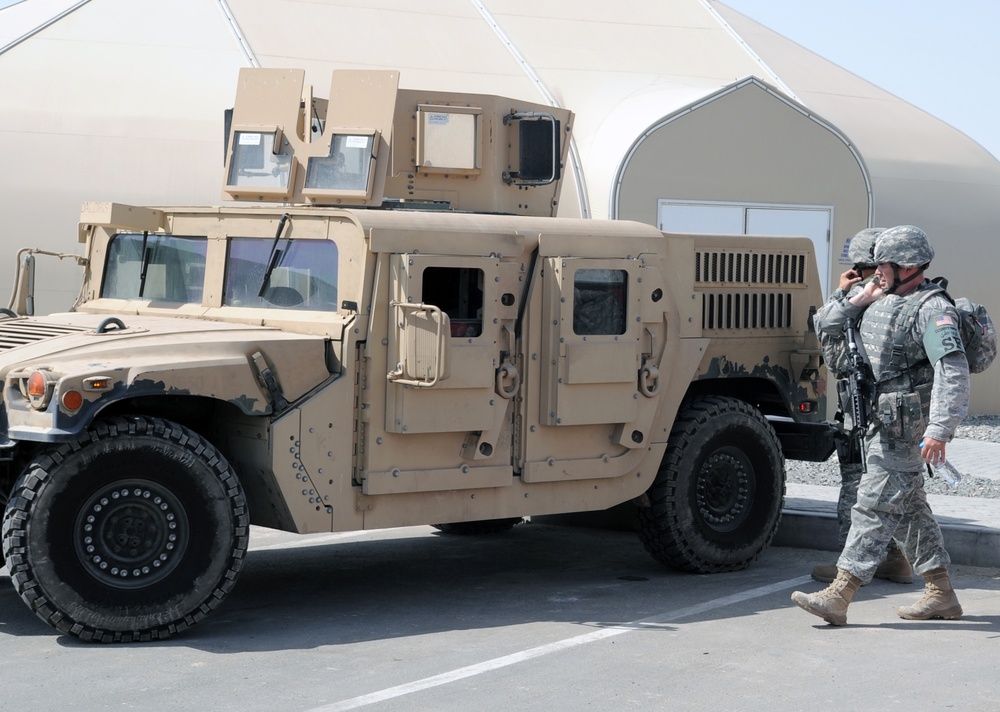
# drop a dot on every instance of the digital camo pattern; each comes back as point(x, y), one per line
point(849, 456)
point(831, 338)
point(862, 247)
point(894, 369)
point(908, 384)
point(904, 245)
point(891, 502)
point(978, 334)
point(927, 400)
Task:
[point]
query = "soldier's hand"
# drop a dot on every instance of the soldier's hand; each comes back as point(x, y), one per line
point(872, 291)
point(932, 450)
point(848, 279)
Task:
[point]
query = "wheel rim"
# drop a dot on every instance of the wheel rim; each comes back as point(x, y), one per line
point(725, 490)
point(131, 533)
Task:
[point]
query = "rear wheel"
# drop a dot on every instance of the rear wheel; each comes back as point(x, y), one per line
point(716, 502)
point(134, 531)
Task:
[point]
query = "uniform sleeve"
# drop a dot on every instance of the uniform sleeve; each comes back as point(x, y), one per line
point(949, 396)
point(937, 323)
point(832, 316)
point(941, 335)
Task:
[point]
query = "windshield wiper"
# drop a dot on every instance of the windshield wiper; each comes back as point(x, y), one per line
point(146, 254)
point(274, 259)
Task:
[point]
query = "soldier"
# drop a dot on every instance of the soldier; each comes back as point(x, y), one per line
point(895, 568)
point(922, 390)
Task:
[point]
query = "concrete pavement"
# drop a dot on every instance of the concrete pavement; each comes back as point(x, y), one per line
point(971, 525)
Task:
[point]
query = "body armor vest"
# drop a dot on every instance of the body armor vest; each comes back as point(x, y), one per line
point(895, 369)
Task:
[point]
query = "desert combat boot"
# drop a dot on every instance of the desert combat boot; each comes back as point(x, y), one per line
point(939, 599)
point(831, 603)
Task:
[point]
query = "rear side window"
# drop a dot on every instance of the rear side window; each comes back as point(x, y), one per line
point(303, 274)
point(158, 268)
point(599, 299)
point(458, 292)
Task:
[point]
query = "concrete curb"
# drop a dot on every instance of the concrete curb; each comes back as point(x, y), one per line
point(970, 525)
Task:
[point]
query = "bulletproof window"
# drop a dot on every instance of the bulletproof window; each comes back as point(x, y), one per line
point(458, 292)
point(303, 274)
point(347, 167)
point(599, 297)
point(158, 268)
point(260, 159)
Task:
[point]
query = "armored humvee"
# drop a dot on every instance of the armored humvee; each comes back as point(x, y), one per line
point(389, 327)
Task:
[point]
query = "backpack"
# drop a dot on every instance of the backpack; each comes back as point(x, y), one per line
point(979, 336)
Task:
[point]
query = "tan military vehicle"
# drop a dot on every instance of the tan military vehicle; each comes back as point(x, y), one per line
point(391, 329)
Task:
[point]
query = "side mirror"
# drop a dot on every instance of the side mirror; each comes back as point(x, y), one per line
point(22, 299)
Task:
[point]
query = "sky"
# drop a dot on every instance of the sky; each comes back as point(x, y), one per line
point(939, 55)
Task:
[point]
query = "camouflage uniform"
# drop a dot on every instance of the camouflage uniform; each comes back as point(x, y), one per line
point(922, 392)
point(835, 355)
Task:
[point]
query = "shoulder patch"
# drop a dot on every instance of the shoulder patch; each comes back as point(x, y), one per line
point(944, 338)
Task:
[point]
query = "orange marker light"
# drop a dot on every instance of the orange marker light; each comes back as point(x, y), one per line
point(72, 400)
point(37, 385)
point(97, 383)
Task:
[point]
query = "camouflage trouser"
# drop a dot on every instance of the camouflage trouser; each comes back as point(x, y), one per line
point(849, 456)
point(892, 502)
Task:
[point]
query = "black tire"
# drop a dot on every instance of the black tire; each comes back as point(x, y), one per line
point(716, 502)
point(134, 531)
point(482, 528)
point(5, 489)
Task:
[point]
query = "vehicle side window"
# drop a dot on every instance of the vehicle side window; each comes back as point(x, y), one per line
point(160, 268)
point(458, 292)
point(303, 275)
point(599, 297)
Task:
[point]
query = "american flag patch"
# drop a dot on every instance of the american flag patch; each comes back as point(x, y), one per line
point(943, 320)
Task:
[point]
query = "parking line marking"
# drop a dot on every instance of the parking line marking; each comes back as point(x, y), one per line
point(558, 646)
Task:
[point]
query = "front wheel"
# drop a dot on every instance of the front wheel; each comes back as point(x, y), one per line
point(716, 501)
point(134, 531)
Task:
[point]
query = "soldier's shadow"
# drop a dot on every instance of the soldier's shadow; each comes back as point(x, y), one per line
point(976, 624)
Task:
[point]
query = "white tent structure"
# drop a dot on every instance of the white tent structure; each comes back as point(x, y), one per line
point(688, 114)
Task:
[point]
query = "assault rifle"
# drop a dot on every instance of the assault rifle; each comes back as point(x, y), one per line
point(860, 387)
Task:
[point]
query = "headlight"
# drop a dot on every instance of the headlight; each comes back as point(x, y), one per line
point(37, 388)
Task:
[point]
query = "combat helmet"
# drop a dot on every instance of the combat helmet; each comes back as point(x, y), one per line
point(862, 246)
point(904, 245)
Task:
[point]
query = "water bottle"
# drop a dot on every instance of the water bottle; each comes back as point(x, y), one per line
point(947, 471)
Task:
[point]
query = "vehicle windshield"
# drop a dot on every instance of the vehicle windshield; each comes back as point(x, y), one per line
point(170, 269)
point(160, 268)
point(304, 274)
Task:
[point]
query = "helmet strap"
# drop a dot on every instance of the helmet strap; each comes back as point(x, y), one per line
point(897, 282)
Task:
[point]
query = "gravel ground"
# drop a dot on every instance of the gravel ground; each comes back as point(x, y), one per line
point(975, 427)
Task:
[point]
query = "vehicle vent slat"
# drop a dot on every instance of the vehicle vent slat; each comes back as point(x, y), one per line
point(748, 268)
point(18, 333)
point(749, 310)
